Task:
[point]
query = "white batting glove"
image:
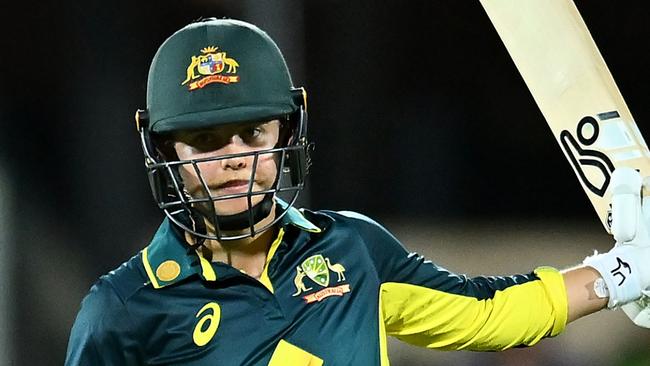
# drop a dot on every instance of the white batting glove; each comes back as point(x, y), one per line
point(639, 310)
point(626, 268)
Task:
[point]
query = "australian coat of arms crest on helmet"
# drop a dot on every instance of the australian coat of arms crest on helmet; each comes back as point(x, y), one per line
point(211, 66)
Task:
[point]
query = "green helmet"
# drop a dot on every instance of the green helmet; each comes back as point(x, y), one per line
point(217, 71)
point(210, 73)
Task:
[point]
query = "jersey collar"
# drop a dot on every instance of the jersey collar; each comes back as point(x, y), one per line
point(168, 259)
point(295, 217)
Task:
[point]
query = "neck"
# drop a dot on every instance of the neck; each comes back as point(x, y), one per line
point(247, 254)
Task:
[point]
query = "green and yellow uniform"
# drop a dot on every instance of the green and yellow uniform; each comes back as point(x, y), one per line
point(335, 285)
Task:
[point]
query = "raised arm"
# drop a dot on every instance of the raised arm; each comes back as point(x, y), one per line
point(581, 296)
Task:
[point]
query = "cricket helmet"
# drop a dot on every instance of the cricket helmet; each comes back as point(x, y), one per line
point(212, 73)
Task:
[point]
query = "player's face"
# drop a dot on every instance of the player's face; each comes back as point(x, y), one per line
point(231, 175)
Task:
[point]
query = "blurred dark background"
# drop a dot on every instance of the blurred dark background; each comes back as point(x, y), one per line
point(417, 111)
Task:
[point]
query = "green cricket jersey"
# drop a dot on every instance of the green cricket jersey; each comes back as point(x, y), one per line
point(334, 286)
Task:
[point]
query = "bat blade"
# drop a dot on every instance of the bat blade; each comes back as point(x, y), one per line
point(574, 89)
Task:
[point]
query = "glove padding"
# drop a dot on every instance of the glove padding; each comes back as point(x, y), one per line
point(626, 268)
point(639, 310)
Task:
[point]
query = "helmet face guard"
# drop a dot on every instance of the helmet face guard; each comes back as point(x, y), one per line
point(196, 213)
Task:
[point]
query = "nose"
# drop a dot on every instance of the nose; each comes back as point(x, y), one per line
point(236, 163)
point(235, 146)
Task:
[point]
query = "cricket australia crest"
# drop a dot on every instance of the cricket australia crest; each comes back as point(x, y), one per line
point(210, 67)
point(317, 268)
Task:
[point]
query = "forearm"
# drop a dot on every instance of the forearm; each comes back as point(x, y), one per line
point(582, 300)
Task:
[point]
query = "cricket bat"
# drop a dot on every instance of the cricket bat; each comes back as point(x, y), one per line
point(568, 78)
point(575, 91)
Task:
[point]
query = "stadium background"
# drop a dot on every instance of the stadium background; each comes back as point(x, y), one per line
point(419, 117)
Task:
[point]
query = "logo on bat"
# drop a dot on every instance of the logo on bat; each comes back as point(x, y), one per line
point(581, 156)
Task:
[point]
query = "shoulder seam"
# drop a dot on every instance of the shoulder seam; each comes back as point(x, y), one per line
point(123, 301)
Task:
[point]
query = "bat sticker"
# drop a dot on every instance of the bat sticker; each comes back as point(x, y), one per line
point(587, 133)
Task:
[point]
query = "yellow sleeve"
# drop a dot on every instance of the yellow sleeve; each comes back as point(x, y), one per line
point(520, 314)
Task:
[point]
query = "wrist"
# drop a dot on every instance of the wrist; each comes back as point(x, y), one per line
point(600, 288)
point(620, 280)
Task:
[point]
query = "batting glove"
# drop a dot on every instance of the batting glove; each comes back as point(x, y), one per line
point(625, 269)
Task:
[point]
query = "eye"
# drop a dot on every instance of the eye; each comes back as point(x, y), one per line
point(203, 138)
point(252, 133)
point(203, 141)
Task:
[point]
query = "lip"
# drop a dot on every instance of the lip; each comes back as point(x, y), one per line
point(236, 185)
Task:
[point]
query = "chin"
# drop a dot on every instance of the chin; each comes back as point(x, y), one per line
point(234, 206)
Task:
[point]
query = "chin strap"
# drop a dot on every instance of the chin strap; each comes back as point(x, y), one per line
point(237, 222)
point(242, 221)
